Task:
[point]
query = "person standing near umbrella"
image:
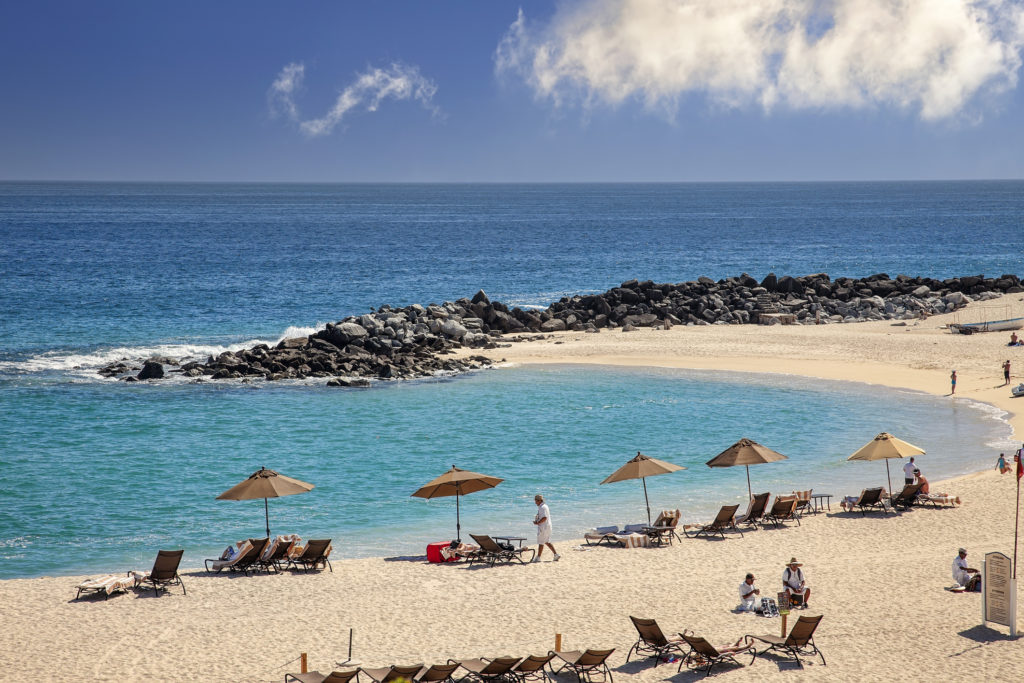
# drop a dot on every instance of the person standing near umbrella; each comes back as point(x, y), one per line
point(543, 523)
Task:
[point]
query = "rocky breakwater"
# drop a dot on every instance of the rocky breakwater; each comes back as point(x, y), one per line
point(410, 342)
point(809, 300)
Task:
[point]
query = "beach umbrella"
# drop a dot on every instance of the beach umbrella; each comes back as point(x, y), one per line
point(264, 484)
point(640, 468)
point(745, 452)
point(884, 447)
point(456, 482)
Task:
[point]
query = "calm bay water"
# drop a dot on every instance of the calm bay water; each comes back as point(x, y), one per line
point(96, 475)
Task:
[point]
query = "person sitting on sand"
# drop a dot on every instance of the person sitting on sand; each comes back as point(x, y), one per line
point(1001, 464)
point(965, 576)
point(1013, 339)
point(749, 596)
point(794, 583)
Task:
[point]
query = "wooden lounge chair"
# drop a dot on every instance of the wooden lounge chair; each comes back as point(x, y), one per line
point(870, 499)
point(313, 556)
point(164, 572)
point(317, 677)
point(275, 558)
point(436, 673)
point(704, 654)
point(486, 670)
point(800, 640)
point(725, 519)
point(907, 497)
point(531, 668)
point(803, 501)
point(652, 641)
point(387, 674)
point(586, 665)
point(602, 534)
point(783, 510)
point(492, 553)
point(756, 510)
point(248, 555)
point(664, 528)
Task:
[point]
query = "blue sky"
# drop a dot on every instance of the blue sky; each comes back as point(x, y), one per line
point(634, 90)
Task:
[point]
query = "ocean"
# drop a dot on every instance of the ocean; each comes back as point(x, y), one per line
point(96, 474)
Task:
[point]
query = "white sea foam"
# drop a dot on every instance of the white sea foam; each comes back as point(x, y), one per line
point(56, 361)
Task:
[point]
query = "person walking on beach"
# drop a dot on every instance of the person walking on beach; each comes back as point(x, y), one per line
point(1001, 464)
point(1006, 372)
point(543, 523)
point(794, 582)
point(908, 472)
point(952, 381)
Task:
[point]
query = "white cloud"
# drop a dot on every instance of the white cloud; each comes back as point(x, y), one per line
point(397, 82)
point(931, 57)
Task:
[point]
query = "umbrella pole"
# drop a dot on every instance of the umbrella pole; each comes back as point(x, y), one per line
point(749, 491)
point(887, 478)
point(266, 515)
point(458, 525)
point(644, 480)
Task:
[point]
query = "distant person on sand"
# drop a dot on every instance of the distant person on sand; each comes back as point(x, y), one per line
point(952, 382)
point(908, 472)
point(794, 582)
point(1001, 464)
point(1013, 339)
point(1006, 372)
point(543, 524)
point(749, 595)
point(965, 576)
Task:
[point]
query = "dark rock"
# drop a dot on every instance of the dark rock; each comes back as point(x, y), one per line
point(151, 370)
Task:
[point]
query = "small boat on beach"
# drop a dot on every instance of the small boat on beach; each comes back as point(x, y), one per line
point(1018, 390)
point(988, 326)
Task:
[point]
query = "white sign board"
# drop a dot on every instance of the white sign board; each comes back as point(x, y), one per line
point(999, 591)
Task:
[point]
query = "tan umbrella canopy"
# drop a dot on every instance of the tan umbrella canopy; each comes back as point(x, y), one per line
point(264, 484)
point(745, 452)
point(883, 447)
point(640, 468)
point(456, 482)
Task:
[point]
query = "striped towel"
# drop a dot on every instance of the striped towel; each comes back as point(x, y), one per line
point(941, 499)
point(107, 584)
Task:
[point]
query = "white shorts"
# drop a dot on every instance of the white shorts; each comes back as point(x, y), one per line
point(543, 534)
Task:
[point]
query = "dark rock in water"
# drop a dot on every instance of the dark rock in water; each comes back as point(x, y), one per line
point(164, 360)
point(151, 370)
point(346, 382)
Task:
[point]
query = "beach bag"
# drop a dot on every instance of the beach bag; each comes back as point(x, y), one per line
point(974, 584)
point(506, 546)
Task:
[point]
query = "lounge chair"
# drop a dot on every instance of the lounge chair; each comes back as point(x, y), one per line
point(436, 673)
point(622, 538)
point(164, 572)
point(317, 677)
point(725, 519)
point(755, 511)
point(783, 510)
point(803, 501)
point(531, 668)
point(602, 534)
point(664, 528)
point(493, 553)
point(107, 584)
point(387, 674)
point(247, 557)
point(907, 497)
point(869, 498)
point(704, 654)
point(313, 556)
point(800, 640)
point(486, 670)
point(586, 664)
point(938, 499)
point(652, 641)
point(275, 557)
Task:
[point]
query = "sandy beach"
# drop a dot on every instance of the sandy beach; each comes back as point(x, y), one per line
point(878, 580)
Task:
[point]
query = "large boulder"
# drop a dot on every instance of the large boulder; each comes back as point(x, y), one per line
point(151, 370)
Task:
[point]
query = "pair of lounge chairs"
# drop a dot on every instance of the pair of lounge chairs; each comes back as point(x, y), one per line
point(661, 532)
point(163, 574)
point(491, 552)
point(784, 509)
point(487, 670)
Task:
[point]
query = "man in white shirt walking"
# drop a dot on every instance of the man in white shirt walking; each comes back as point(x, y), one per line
point(543, 523)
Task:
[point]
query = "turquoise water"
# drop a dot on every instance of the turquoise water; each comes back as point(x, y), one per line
point(100, 476)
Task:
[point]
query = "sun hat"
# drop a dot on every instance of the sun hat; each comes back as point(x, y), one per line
point(793, 561)
point(962, 550)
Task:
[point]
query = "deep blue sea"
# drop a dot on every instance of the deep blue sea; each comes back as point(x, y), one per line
point(96, 475)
